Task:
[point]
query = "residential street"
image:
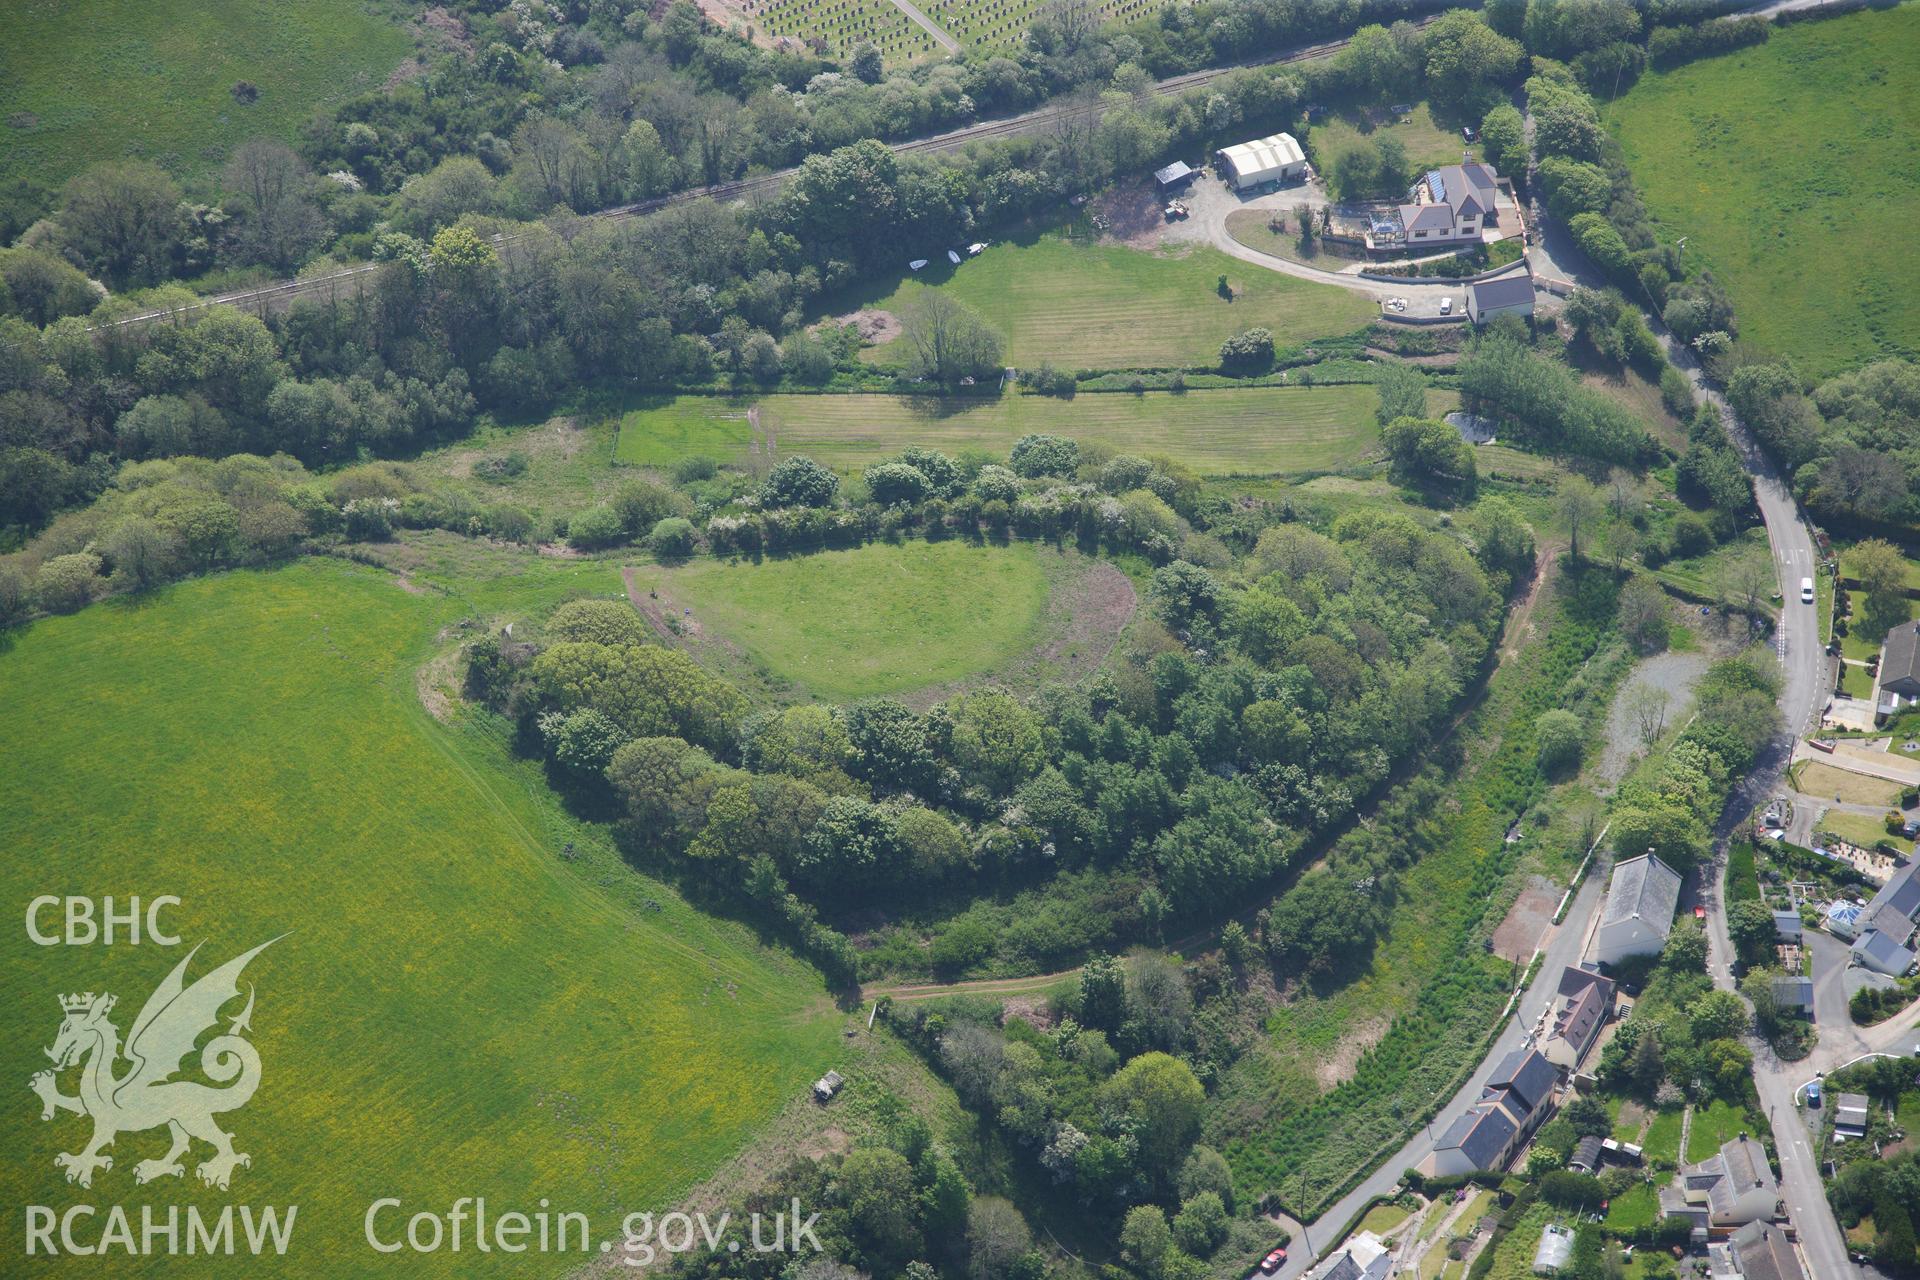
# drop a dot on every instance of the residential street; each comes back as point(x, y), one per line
point(1563, 945)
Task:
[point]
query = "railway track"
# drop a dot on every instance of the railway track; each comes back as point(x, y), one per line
point(352, 279)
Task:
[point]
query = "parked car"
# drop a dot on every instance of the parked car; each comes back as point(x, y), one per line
point(1446, 305)
point(1806, 591)
point(1273, 1262)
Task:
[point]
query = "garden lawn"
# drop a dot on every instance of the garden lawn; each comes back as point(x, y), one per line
point(1383, 1218)
point(107, 79)
point(1428, 145)
point(1715, 1125)
point(1861, 830)
point(452, 1010)
point(1810, 777)
point(877, 619)
point(1632, 1209)
point(1661, 1148)
point(1793, 167)
point(1096, 306)
point(1236, 431)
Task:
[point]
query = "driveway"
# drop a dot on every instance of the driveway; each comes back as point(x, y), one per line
point(1210, 200)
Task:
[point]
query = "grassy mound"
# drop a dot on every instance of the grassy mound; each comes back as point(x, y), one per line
point(874, 620)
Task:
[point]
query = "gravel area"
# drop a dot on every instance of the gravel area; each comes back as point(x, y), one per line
point(1675, 674)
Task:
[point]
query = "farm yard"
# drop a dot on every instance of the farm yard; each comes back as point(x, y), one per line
point(452, 1006)
point(1790, 167)
point(94, 80)
point(1083, 305)
point(878, 619)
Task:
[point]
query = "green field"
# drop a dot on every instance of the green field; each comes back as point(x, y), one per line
point(1086, 306)
point(877, 619)
point(662, 430)
point(1792, 167)
point(1234, 431)
point(454, 1010)
point(82, 81)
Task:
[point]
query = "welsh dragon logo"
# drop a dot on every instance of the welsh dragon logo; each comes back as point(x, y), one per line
point(145, 1095)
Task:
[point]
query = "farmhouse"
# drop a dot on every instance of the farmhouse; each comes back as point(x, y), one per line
point(1450, 205)
point(1361, 1258)
point(1584, 1004)
point(1248, 164)
point(1508, 296)
point(1885, 928)
point(1639, 910)
point(1728, 1189)
point(1761, 1251)
point(1516, 1099)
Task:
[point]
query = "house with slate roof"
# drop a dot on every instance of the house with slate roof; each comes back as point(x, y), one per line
point(1639, 911)
point(1884, 931)
point(1728, 1189)
point(1761, 1251)
point(1516, 1099)
point(1451, 206)
point(1581, 1009)
point(1363, 1257)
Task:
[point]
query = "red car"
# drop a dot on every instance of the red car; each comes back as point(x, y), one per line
point(1273, 1262)
point(1699, 913)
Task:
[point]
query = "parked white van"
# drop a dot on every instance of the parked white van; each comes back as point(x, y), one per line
point(1806, 591)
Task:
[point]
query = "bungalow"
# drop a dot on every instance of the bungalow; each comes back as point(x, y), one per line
point(1510, 295)
point(1761, 1251)
point(1639, 913)
point(1514, 1102)
point(1363, 1257)
point(1584, 1004)
point(1728, 1189)
point(1450, 206)
point(1879, 952)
